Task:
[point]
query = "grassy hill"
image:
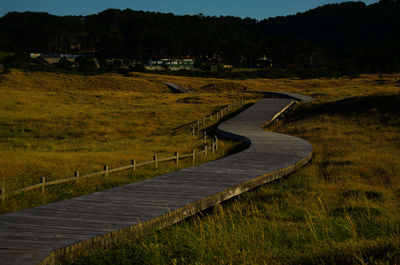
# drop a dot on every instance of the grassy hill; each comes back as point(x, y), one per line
point(343, 208)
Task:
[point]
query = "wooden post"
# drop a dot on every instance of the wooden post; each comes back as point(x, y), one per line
point(76, 174)
point(228, 108)
point(193, 131)
point(210, 117)
point(193, 156)
point(221, 113)
point(204, 120)
point(205, 136)
point(212, 147)
point(106, 169)
point(133, 162)
point(216, 142)
point(177, 158)
point(205, 150)
point(156, 161)
point(198, 123)
point(43, 181)
point(2, 194)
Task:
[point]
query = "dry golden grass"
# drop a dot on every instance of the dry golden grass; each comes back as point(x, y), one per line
point(320, 88)
point(54, 124)
point(343, 208)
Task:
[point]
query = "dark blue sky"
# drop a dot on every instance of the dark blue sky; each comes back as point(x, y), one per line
point(258, 9)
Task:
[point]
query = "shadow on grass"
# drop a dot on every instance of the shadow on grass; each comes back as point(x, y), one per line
point(383, 107)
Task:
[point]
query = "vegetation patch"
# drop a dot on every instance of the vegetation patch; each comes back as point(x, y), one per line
point(223, 87)
point(190, 100)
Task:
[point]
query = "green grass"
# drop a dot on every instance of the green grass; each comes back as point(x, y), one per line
point(343, 208)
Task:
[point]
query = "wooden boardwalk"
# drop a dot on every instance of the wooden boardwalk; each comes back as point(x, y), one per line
point(43, 234)
point(177, 88)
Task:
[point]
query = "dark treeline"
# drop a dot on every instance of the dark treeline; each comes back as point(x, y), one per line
point(336, 38)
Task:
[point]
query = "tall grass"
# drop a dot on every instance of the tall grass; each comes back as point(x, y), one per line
point(343, 208)
point(54, 124)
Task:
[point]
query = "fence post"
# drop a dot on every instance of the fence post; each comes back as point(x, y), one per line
point(193, 131)
point(106, 169)
point(133, 162)
point(204, 120)
point(210, 118)
point(198, 123)
point(177, 158)
point(43, 181)
point(205, 136)
point(2, 194)
point(205, 150)
point(228, 108)
point(212, 147)
point(156, 161)
point(216, 142)
point(221, 114)
point(76, 174)
point(193, 156)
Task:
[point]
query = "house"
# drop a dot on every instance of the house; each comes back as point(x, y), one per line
point(182, 63)
point(53, 58)
point(264, 62)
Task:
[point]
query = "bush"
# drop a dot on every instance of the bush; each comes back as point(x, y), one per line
point(86, 65)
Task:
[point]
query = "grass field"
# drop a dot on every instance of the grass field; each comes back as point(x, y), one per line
point(54, 124)
point(343, 208)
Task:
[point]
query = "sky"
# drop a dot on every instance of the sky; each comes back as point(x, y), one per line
point(258, 9)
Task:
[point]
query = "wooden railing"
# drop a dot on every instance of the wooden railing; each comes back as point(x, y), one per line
point(193, 128)
point(210, 148)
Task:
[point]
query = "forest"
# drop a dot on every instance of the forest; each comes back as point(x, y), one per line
point(333, 39)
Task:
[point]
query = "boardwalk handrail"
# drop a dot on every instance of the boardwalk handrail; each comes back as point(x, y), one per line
point(213, 116)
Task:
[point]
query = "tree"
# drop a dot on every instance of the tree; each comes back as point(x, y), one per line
point(86, 65)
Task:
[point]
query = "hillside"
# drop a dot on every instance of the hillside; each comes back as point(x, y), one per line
point(347, 37)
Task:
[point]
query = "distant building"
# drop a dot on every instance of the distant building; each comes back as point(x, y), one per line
point(186, 63)
point(53, 58)
point(264, 62)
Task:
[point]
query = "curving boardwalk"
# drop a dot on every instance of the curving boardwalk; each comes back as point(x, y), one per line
point(44, 234)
